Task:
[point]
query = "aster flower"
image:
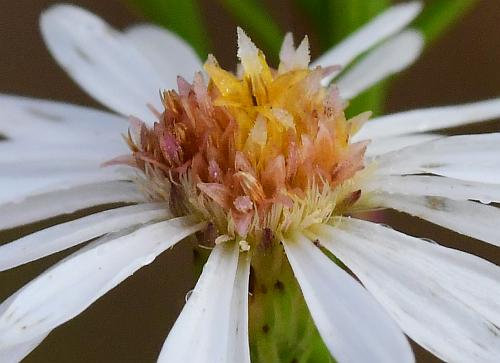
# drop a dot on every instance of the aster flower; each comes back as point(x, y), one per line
point(263, 167)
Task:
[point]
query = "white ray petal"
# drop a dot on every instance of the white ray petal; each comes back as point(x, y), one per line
point(16, 188)
point(425, 185)
point(69, 234)
point(52, 168)
point(19, 152)
point(469, 218)
point(466, 157)
point(72, 285)
point(37, 120)
point(205, 320)
point(352, 325)
point(43, 206)
point(168, 53)
point(442, 298)
point(394, 55)
point(17, 352)
point(239, 350)
point(102, 61)
point(473, 280)
point(379, 146)
point(381, 27)
point(429, 119)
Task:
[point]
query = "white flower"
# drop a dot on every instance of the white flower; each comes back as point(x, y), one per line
point(446, 300)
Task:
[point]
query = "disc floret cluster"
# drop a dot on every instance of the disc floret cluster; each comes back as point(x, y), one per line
point(264, 149)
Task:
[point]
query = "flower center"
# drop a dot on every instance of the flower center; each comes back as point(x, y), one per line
point(267, 150)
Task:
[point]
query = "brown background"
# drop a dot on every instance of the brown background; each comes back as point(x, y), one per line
point(129, 324)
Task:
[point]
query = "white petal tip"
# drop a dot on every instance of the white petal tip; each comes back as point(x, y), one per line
point(59, 10)
point(414, 41)
point(304, 45)
point(411, 8)
point(287, 47)
point(245, 45)
point(288, 38)
point(58, 15)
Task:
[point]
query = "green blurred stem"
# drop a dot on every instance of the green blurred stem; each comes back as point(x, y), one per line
point(254, 18)
point(181, 16)
point(280, 326)
point(436, 17)
point(439, 15)
point(345, 18)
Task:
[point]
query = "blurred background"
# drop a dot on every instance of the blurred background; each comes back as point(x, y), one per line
point(460, 64)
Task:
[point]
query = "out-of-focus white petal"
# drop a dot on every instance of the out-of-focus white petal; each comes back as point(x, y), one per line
point(68, 288)
point(391, 57)
point(444, 299)
point(40, 121)
point(59, 167)
point(201, 333)
point(28, 169)
point(469, 218)
point(466, 157)
point(16, 353)
point(169, 54)
point(381, 27)
point(69, 234)
point(65, 201)
point(15, 188)
point(102, 61)
point(429, 119)
point(20, 152)
point(379, 146)
point(239, 350)
point(425, 185)
point(353, 326)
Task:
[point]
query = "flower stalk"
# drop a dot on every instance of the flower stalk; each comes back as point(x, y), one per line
point(280, 326)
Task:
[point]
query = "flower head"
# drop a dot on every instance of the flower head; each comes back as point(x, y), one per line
point(265, 163)
point(249, 152)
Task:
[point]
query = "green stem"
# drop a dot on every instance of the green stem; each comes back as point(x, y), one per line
point(280, 326)
point(254, 18)
point(183, 17)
